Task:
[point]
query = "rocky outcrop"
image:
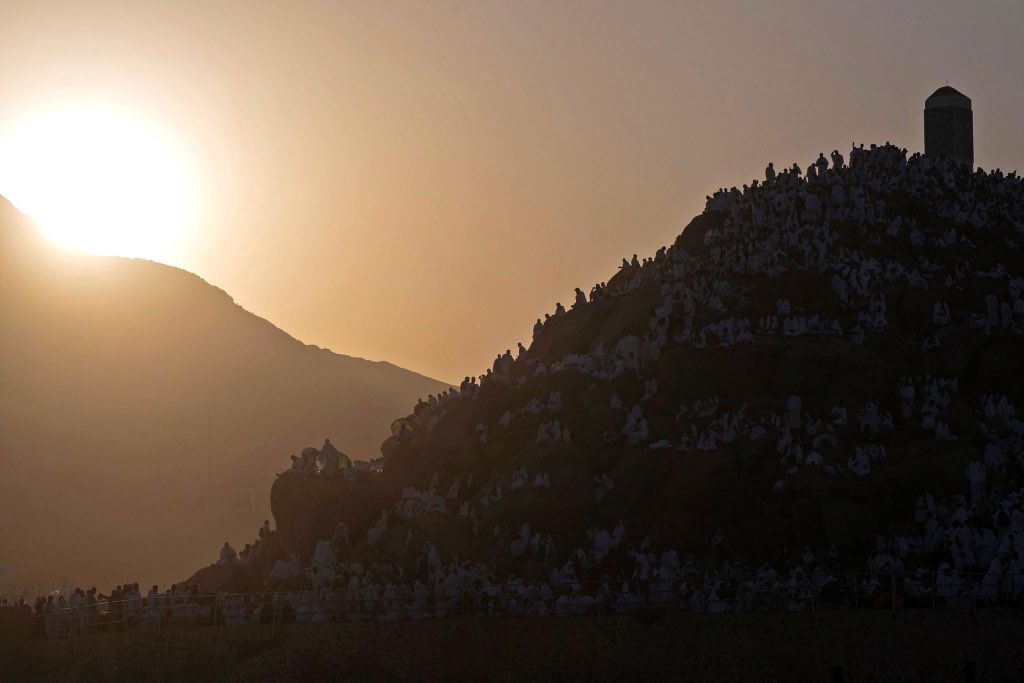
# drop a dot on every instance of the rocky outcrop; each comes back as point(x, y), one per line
point(308, 508)
point(226, 578)
point(770, 499)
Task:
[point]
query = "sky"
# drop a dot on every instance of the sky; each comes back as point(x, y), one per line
point(419, 181)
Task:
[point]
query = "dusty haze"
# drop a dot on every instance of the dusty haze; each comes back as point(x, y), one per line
point(143, 415)
point(417, 182)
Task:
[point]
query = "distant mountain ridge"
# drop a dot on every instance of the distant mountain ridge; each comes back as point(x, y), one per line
point(125, 384)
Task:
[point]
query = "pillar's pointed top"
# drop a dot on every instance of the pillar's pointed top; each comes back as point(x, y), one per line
point(947, 96)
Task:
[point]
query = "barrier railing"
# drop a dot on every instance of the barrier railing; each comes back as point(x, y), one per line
point(714, 595)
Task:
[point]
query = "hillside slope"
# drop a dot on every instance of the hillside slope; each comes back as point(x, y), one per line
point(823, 362)
point(128, 387)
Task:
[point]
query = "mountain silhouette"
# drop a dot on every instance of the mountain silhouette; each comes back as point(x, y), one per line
point(142, 412)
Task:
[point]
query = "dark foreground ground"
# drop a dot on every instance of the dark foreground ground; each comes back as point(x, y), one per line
point(823, 646)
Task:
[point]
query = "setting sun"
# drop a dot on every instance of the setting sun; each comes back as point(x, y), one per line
point(96, 179)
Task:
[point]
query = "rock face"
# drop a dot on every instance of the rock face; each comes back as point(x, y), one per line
point(808, 303)
point(226, 579)
point(126, 387)
point(308, 509)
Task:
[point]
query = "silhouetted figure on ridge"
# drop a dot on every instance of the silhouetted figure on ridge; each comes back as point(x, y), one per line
point(227, 555)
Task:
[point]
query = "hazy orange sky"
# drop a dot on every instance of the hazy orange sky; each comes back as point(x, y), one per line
point(419, 181)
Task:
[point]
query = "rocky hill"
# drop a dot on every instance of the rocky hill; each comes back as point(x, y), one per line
point(822, 365)
point(140, 403)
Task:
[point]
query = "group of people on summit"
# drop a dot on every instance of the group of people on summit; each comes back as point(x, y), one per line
point(328, 461)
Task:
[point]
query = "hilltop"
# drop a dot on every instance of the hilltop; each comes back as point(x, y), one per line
point(821, 368)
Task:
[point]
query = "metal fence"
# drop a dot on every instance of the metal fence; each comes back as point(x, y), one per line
point(725, 596)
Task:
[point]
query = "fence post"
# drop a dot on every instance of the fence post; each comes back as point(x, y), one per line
point(892, 584)
point(273, 614)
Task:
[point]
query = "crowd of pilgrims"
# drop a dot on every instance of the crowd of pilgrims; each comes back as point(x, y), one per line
point(963, 548)
point(612, 574)
point(791, 222)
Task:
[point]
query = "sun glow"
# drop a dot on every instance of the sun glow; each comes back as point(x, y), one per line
point(97, 179)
